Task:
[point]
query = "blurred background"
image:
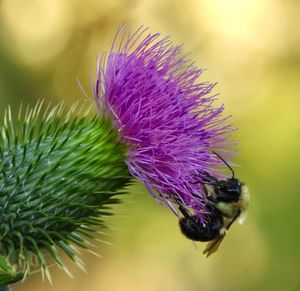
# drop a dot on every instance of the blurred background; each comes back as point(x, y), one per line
point(252, 49)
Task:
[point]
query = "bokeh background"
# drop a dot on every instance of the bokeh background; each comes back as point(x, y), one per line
point(252, 49)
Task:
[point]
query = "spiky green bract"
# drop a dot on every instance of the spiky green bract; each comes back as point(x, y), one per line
point(58, 176)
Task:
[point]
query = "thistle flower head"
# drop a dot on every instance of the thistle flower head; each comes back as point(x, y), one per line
point(165, 116)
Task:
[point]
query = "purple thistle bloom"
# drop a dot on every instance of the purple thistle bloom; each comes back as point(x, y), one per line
point(165, 117)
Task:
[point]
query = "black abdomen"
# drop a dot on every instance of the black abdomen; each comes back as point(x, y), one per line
point(195, 230)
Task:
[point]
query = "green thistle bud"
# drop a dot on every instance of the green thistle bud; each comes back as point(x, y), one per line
point(58, 176)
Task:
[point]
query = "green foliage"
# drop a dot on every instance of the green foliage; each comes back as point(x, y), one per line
point(58, 176)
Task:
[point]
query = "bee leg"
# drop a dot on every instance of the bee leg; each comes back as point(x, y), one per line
point(184, 211)
point(206, 178)
point(233, 220)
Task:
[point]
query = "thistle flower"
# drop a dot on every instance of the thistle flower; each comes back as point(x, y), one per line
point(59, 174)
point(164, 115)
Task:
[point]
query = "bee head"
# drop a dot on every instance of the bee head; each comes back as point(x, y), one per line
point(228, 190)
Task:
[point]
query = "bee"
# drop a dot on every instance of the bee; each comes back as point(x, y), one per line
point(227, 201)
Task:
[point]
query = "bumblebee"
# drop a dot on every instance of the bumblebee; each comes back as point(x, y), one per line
point(227, 201)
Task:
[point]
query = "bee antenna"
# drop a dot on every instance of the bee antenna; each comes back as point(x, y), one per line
point(225, 163)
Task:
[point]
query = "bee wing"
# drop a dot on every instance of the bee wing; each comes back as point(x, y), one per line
point(213, 245)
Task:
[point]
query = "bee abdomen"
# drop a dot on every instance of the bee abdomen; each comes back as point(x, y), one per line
point(195, 230)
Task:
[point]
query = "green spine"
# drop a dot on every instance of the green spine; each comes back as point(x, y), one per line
point(59, 174)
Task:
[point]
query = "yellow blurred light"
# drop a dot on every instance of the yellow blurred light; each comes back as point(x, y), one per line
point(35, 30)
point(248, 23)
